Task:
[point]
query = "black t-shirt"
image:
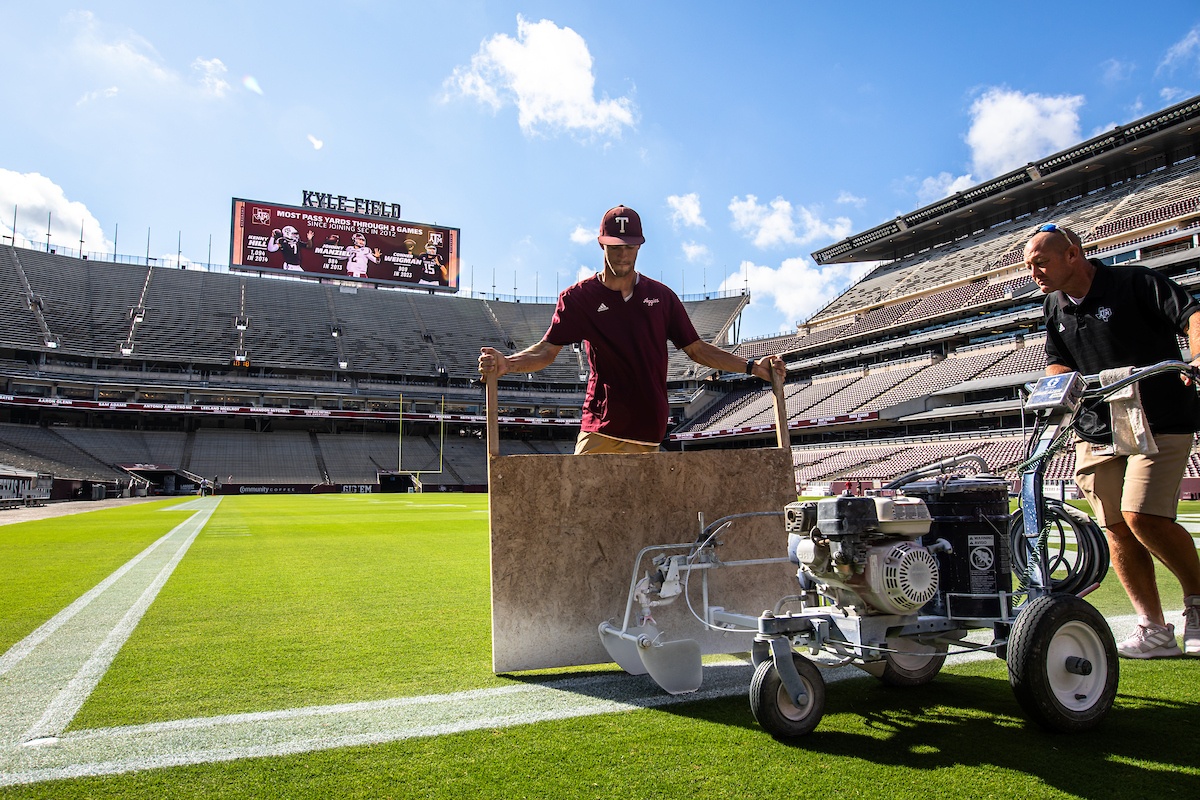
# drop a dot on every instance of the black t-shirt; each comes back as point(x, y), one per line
point(1130, 318)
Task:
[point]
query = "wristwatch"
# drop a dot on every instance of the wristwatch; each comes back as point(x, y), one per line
point(749, 366)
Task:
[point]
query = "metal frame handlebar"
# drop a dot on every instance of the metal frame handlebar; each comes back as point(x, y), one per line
point(1139, 374)
point(1095, 389)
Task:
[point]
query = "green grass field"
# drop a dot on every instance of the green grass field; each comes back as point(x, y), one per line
point(286, 603)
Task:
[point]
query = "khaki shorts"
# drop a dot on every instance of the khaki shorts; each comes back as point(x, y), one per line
point(1137, 483)
point(591, 443)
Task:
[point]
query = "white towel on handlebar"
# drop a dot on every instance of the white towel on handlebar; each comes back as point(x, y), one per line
point(1130, 432)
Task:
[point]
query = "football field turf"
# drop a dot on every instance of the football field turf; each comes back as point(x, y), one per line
point(339, 646)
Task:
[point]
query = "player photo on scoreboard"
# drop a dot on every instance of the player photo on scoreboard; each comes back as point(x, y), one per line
point(268, 238)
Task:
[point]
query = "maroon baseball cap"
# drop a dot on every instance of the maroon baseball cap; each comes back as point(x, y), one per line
point(621, 225)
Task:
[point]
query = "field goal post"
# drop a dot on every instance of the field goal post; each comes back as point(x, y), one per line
point(415, 475)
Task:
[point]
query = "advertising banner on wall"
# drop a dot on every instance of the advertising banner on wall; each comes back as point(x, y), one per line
point(273, 238)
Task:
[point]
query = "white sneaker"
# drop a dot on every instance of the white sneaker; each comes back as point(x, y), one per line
point(1191, 625)
point(1150, 641)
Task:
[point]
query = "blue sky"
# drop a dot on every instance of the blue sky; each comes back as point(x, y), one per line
point(747, 135)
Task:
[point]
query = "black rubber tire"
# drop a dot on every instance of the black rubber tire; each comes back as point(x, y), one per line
point(916, 667)
point(774, 709)
point(1046, 633)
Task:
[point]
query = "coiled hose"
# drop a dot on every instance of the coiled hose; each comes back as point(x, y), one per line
point(1071, 570)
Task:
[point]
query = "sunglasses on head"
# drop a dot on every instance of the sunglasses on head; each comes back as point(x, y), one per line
point(1066, 233)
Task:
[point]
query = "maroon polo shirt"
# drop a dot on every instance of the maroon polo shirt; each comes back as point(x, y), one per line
point(627, 353)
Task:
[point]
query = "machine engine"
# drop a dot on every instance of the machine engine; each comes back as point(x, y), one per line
point(865, 553)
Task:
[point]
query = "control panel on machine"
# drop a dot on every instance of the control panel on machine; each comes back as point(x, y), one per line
point(1057, 392)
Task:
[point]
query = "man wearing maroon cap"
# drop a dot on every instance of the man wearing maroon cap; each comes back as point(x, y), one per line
point(626, 320)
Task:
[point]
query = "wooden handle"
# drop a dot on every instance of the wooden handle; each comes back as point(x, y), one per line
point(493, 415)
point(782, 436)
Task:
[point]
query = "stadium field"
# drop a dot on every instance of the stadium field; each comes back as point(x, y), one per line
point(339, 646)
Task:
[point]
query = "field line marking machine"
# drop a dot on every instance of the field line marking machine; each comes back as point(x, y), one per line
point(890, 583)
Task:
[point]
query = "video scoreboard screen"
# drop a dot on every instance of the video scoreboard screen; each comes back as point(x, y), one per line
point(318, 243)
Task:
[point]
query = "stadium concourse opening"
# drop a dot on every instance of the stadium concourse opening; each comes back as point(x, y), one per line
point(239, 380)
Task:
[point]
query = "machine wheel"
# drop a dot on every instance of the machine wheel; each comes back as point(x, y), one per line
point(1062, 663)
point(775, 710)
point(914, 665)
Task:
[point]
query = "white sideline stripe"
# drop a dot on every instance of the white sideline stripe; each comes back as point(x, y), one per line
point(68, 702)
point(117, 750)
point(23, 648)
point(276, 733)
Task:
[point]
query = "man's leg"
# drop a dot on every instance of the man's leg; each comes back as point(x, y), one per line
point(1104, 481)
point(1149, 502)
point(1170, 543)
point(1134, 565)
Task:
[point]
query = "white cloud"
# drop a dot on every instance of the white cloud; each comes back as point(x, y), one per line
point(546, 71)
point(685, 211)
point(1010, 128)
point(316, 143)
point(211, 71)
point(582, 235)
point(1114, 71)
point(942, 185)
point(99, 94)
point(846, 198)
point(122, 58)
point(123, 53)
point(695, 252)
point(1173, 94)
point(1179, 54)
point(584, 272)
point(779, 223)
point(176, 260)
point(797, 288)
point(38, 201)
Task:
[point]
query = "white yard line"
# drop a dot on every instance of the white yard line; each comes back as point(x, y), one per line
point(68, 702)
point(48, 675)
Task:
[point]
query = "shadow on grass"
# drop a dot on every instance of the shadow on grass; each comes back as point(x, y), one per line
point(1149, 745)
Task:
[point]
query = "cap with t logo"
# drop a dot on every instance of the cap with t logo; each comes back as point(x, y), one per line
point(621, 225)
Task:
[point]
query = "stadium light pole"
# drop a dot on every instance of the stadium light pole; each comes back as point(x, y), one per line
point(116, 230)
point(147, 246)
point(49, 214)
point(81, 238)
point(179, 251)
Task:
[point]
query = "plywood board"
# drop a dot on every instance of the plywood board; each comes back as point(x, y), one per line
point(565, 531)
